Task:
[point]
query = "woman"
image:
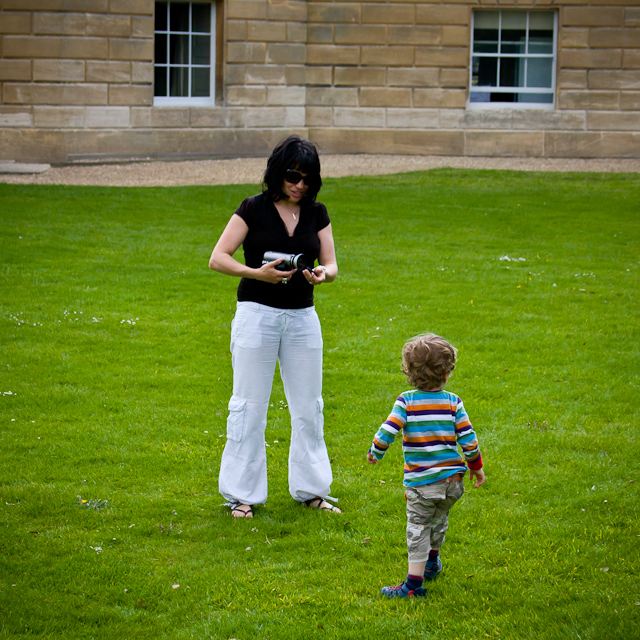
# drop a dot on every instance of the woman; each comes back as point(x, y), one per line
point(276, 321)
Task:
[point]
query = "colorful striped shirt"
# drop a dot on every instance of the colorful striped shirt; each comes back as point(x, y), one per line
point(433, 425)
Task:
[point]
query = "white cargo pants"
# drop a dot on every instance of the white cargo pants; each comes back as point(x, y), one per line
point(260, 336)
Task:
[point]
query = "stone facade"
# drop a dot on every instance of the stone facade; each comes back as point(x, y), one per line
point(76, 81)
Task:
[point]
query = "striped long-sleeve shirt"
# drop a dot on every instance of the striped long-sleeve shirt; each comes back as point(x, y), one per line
point(433, 425)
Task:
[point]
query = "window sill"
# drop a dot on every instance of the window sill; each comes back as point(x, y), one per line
point(518, 106)
point(184, 102)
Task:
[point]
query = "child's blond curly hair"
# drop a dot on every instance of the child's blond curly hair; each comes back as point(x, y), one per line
point(427, 360)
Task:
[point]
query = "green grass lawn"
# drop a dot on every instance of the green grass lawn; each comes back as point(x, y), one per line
point(115, 376)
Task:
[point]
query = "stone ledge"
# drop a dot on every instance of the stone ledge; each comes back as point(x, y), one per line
point(10, 166)
point(76, 145)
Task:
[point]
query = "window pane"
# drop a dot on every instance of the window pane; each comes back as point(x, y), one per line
point(486, 32)
point(179, 52)
point(485, 47)
point(541, 20)
point(179, 81)
point(201, 50)
point(504, 97)
point(201, 16)
point(161, 48)
point(179, 18)
point(485, 40)
point(486, 19)
point(513, 47)
point(540, 41)
point(535, 47)
point(485, 72)
point(541, 32)
point(160, 81)
point(539, 72)
point(514, 31)
point(200, 82)
point(479, 96)
point(513, 42)
point(514, 21)
point(536, 98)
point(512, 72)
point(161, 16)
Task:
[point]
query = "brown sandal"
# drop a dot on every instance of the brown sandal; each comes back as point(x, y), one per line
point(321, 505)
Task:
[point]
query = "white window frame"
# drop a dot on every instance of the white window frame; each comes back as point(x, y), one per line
point(178, 101)
point(527, 56)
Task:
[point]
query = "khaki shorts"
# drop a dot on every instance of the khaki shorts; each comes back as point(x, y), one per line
point(428, 516)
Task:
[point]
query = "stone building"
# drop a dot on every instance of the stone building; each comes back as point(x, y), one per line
point(120, 79)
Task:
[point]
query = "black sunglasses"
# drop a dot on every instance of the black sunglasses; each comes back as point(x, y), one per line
point(292, 176)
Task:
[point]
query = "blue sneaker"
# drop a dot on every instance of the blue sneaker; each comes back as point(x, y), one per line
point(432, 569)
point(402, 591)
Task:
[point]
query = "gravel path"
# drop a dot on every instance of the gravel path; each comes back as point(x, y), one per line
point(250, 170)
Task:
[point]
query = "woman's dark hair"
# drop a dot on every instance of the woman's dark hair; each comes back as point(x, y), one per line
point(297, 153)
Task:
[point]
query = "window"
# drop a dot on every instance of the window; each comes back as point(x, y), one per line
point(184, 53)
point(513, 58)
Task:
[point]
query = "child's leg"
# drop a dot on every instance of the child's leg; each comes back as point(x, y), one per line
point(419, 515)
point(421, 506)
point(440, 521)
point(422, 503)
point(417, 568)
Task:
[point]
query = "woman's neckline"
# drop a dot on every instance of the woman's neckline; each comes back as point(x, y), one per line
point(289, 214)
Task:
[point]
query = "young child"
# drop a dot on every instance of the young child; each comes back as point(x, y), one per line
point(433, 423)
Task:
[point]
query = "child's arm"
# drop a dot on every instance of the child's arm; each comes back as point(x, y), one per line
point(388, 431)
point(468, 442)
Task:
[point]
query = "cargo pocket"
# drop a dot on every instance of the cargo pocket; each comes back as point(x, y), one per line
point(456, 491)
point(319, 418)
point(236, 419)
point(415, 535)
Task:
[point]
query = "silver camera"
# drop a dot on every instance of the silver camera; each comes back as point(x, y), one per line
point(289, 260)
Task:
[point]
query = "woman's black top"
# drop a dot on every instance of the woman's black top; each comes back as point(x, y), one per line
point(267, 232)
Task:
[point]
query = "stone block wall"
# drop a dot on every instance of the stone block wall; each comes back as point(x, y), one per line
point(76, 81)
point(400, 72)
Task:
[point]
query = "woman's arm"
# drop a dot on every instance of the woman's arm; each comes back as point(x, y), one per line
point(222, 259)
point(327, 259)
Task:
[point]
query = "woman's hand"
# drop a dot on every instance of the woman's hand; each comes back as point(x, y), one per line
point(317, 276)
point(269, 273)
